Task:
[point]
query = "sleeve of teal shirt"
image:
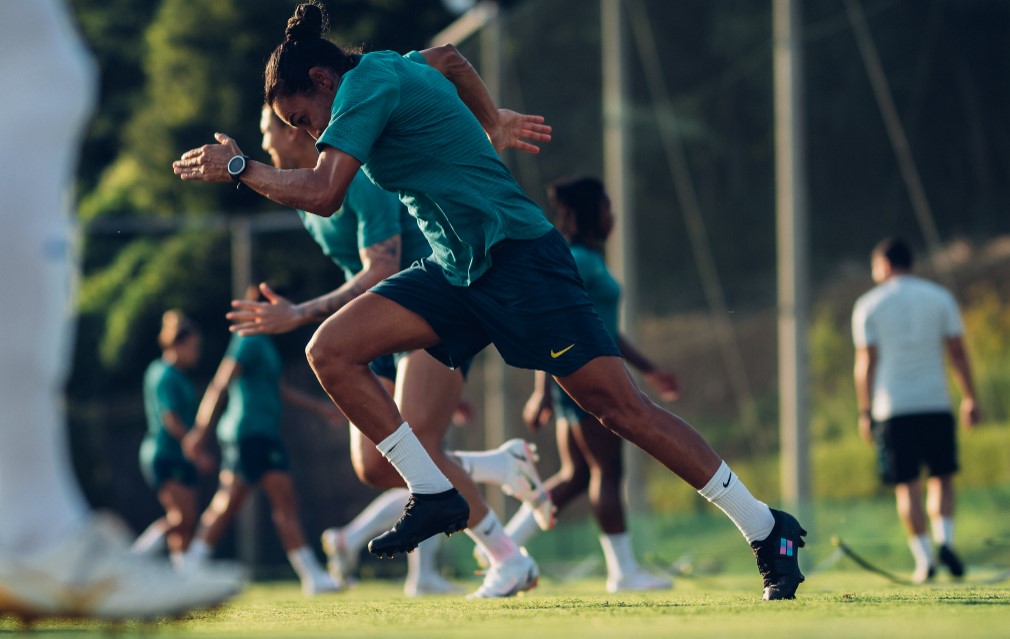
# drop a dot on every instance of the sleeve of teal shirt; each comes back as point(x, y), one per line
point(241, 350)
point(378, 212)
point(362, 107)
point(416, 56)
point(169, 397)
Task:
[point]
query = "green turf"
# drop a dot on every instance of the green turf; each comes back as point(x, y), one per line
point(834, 604)
point(718, 597)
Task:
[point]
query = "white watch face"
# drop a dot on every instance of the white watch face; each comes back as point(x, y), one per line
point(236, 165)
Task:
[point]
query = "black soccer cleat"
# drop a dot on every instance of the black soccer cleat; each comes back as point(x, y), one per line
point(777, 557)
point(949, 558)
point(424, 516)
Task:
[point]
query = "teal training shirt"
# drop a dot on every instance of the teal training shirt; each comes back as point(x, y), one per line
point(166, 389)
point(603, 289)
point(254, 396)
point(406, 124)
point(368, 216)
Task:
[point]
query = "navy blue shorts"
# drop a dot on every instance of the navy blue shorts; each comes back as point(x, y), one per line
point(385, 365)
point(161, 469)
point(531, 304)
point(252, 457)
point(906, 443)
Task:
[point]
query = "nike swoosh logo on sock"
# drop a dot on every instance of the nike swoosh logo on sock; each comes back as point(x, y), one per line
point(728, 480)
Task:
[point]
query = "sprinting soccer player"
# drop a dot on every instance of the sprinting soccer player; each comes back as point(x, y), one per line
point(591, 456)
point(252, 452)
point(56, 558)
point(170, 406)
point(370, 238)
point(901, 328)
point(499, 272)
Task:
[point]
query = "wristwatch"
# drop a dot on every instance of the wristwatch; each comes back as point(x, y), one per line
point(237, 165)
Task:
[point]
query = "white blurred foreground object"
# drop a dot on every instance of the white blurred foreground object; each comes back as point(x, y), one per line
point(55, 559)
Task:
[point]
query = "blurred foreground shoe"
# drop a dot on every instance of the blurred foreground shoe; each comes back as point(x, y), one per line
point(509, 578)
point(638, 581)
point(523, 481)
point(341, 561)
point(949, 558)
point(430, 585)
point(93, 575)
point(424, 516)
point(778, 557)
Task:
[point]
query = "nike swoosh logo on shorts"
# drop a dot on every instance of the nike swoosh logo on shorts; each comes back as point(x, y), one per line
point(556, 354)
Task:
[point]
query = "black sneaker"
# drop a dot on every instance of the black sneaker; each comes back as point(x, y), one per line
point(777, 557)
point(949, 558)
point(424, 516)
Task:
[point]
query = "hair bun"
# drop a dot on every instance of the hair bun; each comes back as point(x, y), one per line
point(308, 23)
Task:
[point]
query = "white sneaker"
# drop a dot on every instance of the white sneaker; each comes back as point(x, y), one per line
point(523, 481)
point(430, 585)
point(340, 561)
point(923, 574)
point(509, 578)
point(637, 581)
point(93, 575)
point(320, 583)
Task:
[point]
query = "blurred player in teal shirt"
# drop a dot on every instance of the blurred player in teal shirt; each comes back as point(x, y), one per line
point(252, 452)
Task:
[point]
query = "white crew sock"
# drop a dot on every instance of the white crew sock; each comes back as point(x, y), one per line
point(922, 551)
point(422, 565)
point(943, 531)
point(198, 552)
point(486, 467)
point(491, 538)
point(618, 554)
point(404, 451)
point(308, 568)
point(523, 526)
point(40, 501)
point(378, 517)
point(151, 541)
point(752, 517)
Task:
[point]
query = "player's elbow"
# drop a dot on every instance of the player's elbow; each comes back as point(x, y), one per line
point(447, 59)
point(326, 205)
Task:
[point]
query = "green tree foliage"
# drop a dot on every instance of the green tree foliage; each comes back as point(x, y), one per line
point(174, 72)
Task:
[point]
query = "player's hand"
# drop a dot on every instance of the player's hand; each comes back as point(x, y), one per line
point(194, 448)
point(665, 383)
point(538, 411)
point(276, 315)
point(519, 131)
point(208, 163)
point(866, 428)
point(970, 414)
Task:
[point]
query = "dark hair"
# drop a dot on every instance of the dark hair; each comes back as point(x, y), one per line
point(582, 197)
point(896, 251)
point(304, 47)
point(175, 327)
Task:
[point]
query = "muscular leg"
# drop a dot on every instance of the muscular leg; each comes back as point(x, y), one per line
point(369, 464)
point(603, 387)
point(572, 479)
point(179, 502)
point(341, 349)
point(231, 495)
point(280, 491)
point(940, 497)
point(908, 497)
point(427, 393)
point(602, 449)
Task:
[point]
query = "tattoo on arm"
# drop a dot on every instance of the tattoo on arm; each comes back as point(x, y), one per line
point(379, 261)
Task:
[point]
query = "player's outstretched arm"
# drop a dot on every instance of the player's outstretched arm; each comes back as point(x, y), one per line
point(505, 128)
point(319, 190)
point(279, 315)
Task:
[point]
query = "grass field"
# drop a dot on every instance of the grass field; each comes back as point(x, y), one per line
point(834, 604)
point(719, 596)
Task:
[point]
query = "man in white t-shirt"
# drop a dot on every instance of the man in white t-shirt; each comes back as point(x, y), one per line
point(901, 328)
